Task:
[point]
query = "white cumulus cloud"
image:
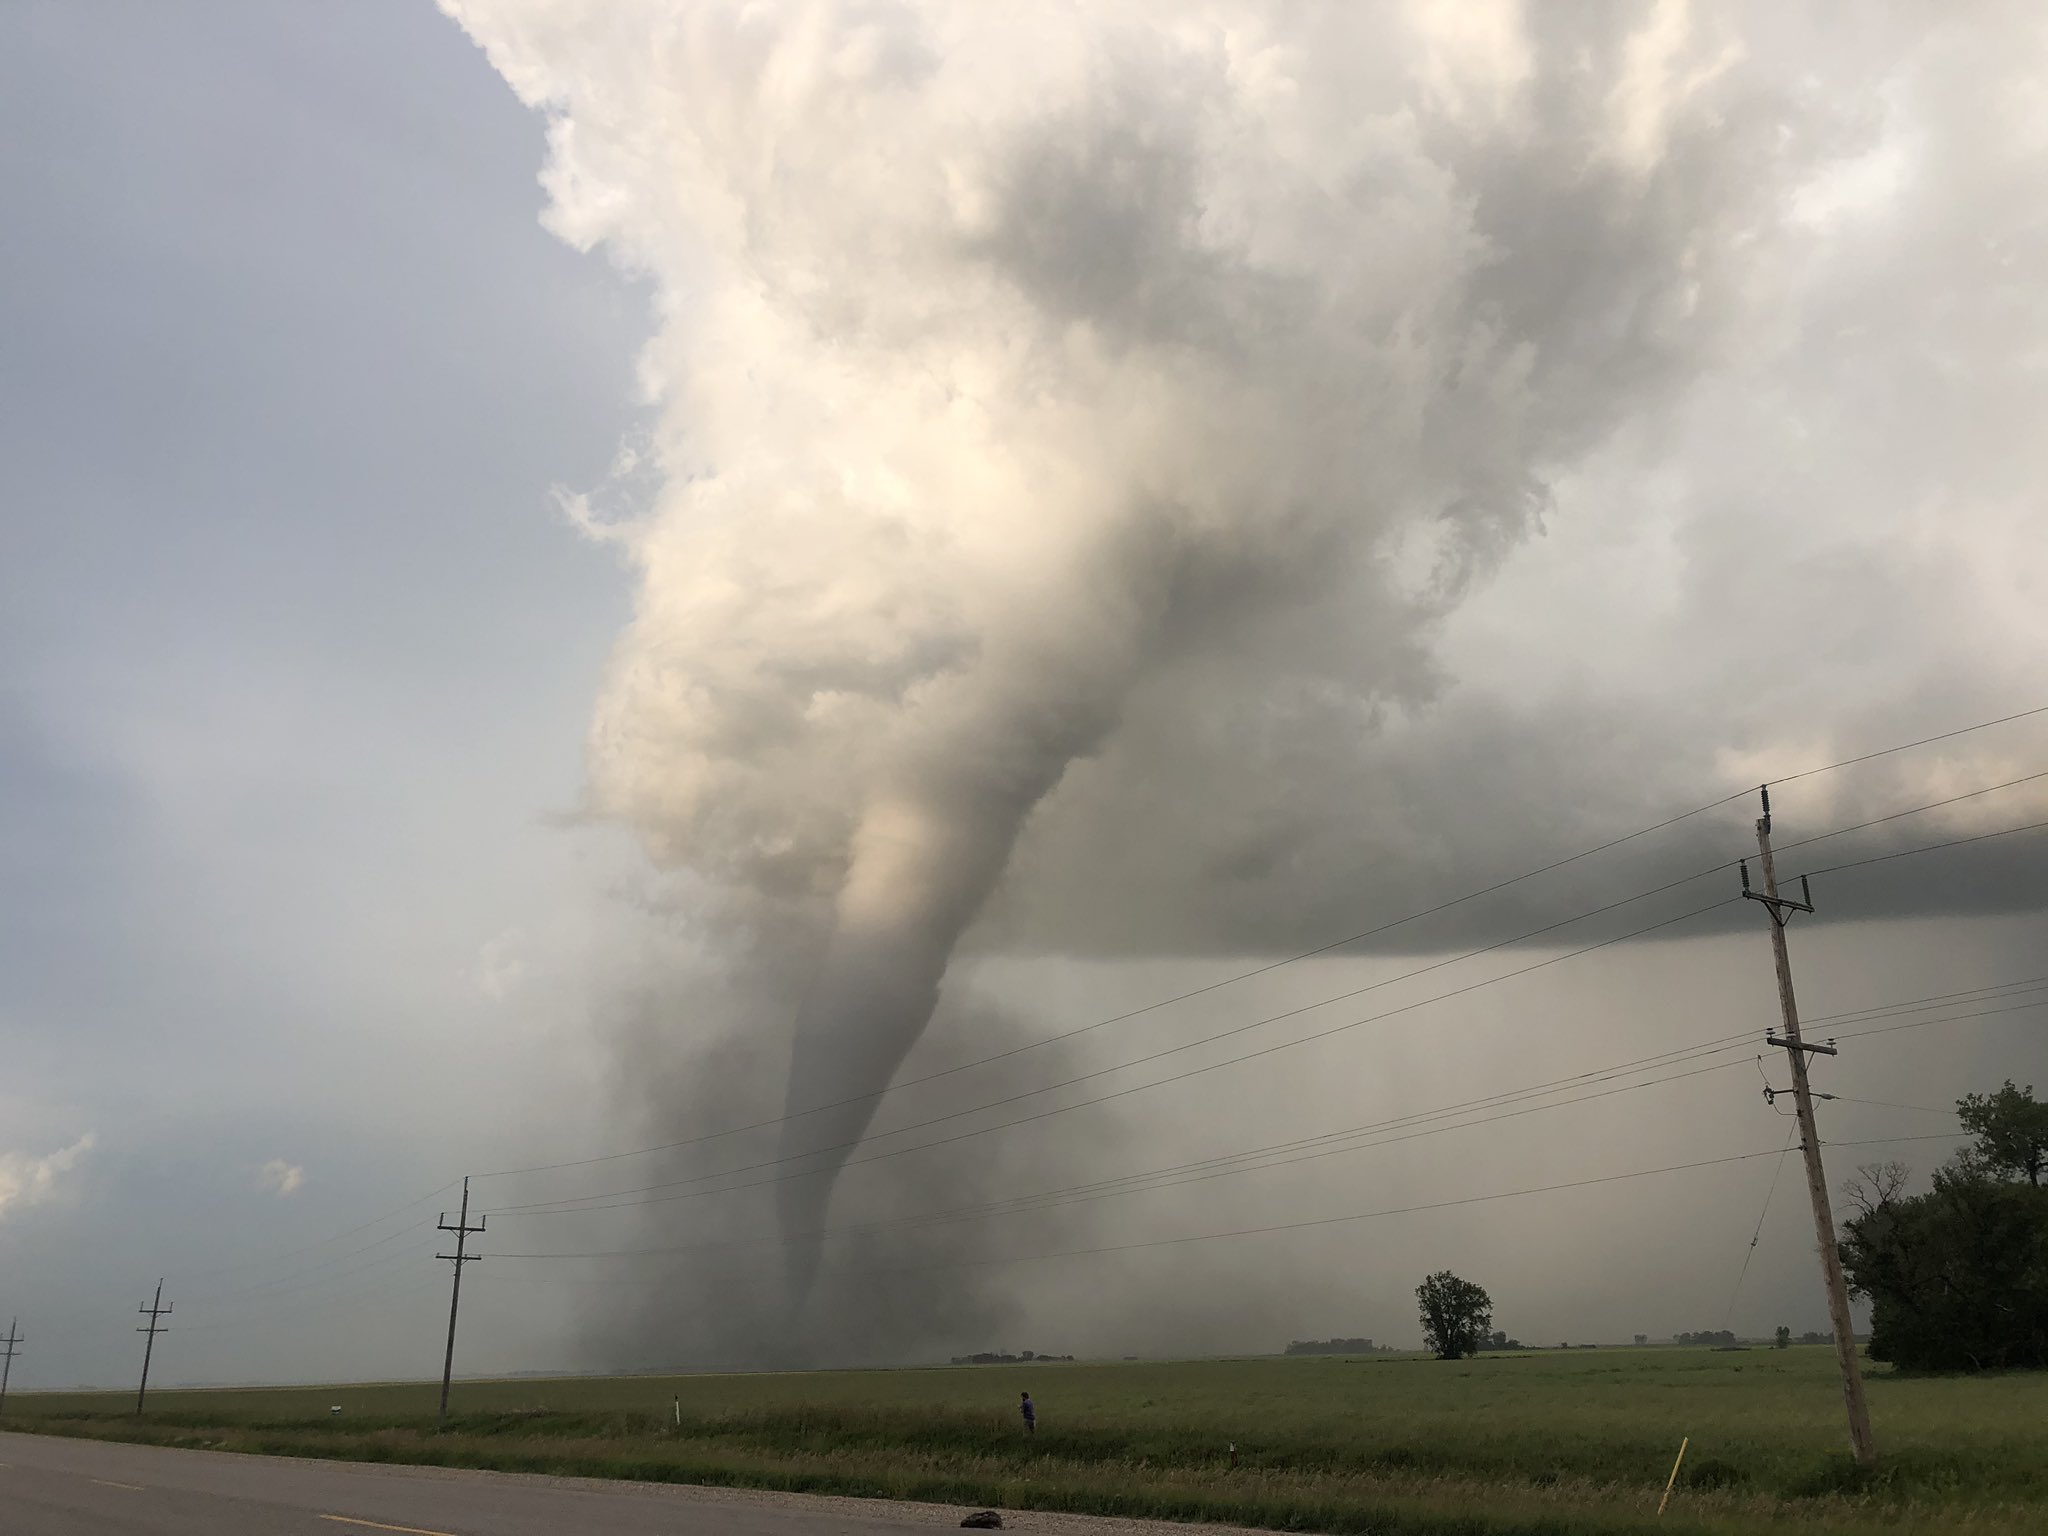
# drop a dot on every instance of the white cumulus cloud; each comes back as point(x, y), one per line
point(280, 1177)
point(28, 1180)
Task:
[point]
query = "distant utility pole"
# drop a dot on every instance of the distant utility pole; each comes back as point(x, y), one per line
point(153, 1311)
point(459, 1257)
point(13, 1343)
point(1797, 1050)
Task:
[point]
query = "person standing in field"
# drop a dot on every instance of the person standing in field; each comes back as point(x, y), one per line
point(1030, 1411)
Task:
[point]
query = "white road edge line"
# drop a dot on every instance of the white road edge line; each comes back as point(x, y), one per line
point(378, 1525)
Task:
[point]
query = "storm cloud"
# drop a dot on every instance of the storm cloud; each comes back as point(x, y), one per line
point(1082, 432)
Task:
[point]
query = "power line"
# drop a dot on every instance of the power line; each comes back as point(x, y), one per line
point(1382, 1141)
point(569, 1202)
point(1139, 1182)
point(292, 1281)
point(1777, 1172)
point(584, 1202)
point(263, 1290)
point(1147, 1180)
point(346, 1304)
point(1197, 1171)
point(389, 1285)
point(1290, 960)
point(2024, 984)
point(86, 1311)
point(1932, 805)
point(1888, 1029)
point(325, 1268)
point(1070, 1034)
point(1924, 741)
point(1325, 1221)
point(1907, 853)
point(1199, 1237)
point(1925, 1109)
point(1204, 1237)
point(292, 1253)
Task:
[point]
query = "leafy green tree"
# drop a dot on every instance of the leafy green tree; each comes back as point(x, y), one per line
point(1456, 1315)
point(2011, 1131)
point(1958, 1277)
point(1783, 1339)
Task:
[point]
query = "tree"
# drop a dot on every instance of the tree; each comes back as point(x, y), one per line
point(2011, 1131)
point(1456, 1315)
point(1783, 1340)
point(1958, 1277)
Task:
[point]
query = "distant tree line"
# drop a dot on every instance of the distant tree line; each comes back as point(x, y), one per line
point(994, 1357)
point(1338, 1347)
point(1706, 1336)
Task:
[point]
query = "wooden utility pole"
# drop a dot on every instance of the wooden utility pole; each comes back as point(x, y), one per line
point(13, 1343)
point(1797, 1050)
point(153, 1311)
point(459, 1257)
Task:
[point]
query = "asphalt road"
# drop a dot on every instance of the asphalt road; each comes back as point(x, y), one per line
point(58, 1487)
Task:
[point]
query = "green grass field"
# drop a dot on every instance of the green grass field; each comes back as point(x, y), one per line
point(1549, 1442)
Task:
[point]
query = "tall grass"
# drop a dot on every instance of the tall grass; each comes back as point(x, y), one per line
point(1536, 1443)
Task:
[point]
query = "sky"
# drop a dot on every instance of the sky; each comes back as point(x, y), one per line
point(576, 577)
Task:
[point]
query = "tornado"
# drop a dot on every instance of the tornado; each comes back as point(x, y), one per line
point(925, 856)
point(919, 874)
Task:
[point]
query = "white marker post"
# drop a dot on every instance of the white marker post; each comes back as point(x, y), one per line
point(1672, 1481)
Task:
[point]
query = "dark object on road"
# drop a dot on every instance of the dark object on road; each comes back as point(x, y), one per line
point(987, 1520)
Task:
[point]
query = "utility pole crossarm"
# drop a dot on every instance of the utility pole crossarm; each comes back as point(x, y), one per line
point(1803, 1045)
point(1781, 908)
